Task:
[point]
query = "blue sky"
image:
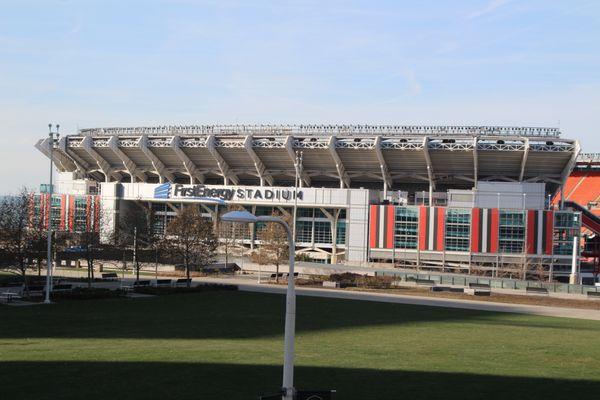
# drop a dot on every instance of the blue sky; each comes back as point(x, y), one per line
point(108, 63)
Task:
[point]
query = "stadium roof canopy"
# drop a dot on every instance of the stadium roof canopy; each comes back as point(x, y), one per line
point(332, 155)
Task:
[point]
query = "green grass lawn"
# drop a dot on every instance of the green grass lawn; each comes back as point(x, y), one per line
point(229, 345)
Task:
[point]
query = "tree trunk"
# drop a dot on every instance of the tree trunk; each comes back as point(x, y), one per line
point(187, 274)
point(187, 271)
point(276, 273)
point(90, 271)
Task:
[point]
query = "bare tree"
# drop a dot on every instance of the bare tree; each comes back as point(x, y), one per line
point(190, 238)
point(89, 239)
point(274, 247)
point(20, 238)
point(134, 231)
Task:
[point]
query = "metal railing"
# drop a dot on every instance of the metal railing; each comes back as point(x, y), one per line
point(495, 283)
point(588, 157)
point(341, 130)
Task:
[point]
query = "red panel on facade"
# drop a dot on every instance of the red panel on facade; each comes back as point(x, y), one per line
point(423, 228)
point(71, 213)
point(441, 224)
point(96, 213)
point(549, 232)
point(88, 213)
point(475, 227)
point(494, 226)
point(391, 219)
point(373, 228)
point(531, 232)
point(63, 212)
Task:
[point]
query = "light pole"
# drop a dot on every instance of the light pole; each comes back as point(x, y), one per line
point(290, 304)
point(51, 136)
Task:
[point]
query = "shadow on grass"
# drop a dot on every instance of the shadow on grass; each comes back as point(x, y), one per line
point(229, 315)
point(155, 380)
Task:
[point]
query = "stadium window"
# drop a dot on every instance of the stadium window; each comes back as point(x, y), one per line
point(511, 232)
point(458, 229)
point(323, 232)
point(305, 213)
point(406, 228)
point(341, 232)
point(304, 231)
point(80, 215)
point(566, 226)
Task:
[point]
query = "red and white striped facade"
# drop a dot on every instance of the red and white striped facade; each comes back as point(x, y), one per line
point(484, 229)
point(40, 211)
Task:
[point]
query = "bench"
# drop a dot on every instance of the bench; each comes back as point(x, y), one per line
point(135, 285)
point(9, 296)
point(35, 291)
point(593, 295)
point(288, 275)
point(110, 276)
point(474, 285)
point(279, 275)
point(425, 282)
point(331, 284)
point(536, 290)
point(446, 289)
point(163, 282)
point(62, 288)
point(182, 282)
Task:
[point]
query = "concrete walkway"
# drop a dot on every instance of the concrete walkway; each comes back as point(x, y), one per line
point(248, 283)
point(249, 286)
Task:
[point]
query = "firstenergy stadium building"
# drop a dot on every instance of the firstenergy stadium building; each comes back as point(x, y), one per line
point(437, 197)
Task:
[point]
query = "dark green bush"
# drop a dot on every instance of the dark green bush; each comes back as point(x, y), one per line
point(87, 294)
point(203, 287)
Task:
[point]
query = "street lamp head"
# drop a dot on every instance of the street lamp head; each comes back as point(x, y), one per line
point(243, 217)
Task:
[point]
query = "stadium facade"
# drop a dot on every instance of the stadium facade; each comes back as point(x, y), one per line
point(438, 197)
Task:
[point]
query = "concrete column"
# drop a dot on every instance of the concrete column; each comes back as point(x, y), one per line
point(430, 195)
point(574, 276)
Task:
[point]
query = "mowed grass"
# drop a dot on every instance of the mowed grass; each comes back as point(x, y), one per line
point(229, 345)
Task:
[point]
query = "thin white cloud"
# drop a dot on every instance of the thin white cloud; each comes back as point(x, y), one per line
point(489, 8)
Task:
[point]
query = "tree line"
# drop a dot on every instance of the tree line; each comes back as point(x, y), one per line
point(190, 240)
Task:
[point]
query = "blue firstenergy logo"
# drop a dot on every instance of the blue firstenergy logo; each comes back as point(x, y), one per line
point(163, 191)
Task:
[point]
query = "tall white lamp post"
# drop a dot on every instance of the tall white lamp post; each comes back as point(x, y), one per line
point(51, 137)
point(290, 304)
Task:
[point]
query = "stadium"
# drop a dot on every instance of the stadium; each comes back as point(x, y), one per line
point(498, 201)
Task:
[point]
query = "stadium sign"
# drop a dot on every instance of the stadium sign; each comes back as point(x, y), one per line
point(199, 192)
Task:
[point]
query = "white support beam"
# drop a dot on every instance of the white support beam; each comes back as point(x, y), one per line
point(132, 169)
point(81, 165)
point(428, 162)
point(344, 179)
point(567, 171)
point(43, 145)
point(571, 164)
point(191, 168)
point(159, 167)
point(104, 165)
point(289, 146)
point(262, 172)
point(221, 163)
point(524, 160)
point(475, 163)
point(385, 174)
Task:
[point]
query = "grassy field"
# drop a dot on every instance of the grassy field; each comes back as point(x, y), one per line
point(228, 345)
